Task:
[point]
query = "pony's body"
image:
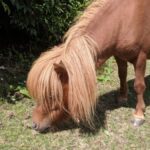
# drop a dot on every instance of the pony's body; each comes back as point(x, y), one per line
point(122, 29)
point(63, 81)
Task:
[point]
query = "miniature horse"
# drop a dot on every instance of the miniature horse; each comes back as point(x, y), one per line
point(63, 80)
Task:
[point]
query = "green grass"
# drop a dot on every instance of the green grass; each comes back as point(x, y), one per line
point(113, 128)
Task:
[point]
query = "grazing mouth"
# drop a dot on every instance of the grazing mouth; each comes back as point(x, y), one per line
point(41, 129)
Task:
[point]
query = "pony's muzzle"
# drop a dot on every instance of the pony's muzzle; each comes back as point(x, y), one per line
point(43, 129)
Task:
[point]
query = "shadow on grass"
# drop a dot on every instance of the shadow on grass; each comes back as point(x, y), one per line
point(108, 102)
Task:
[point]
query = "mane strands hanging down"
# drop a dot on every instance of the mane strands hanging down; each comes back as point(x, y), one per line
point(43, 82)
point(78, 55)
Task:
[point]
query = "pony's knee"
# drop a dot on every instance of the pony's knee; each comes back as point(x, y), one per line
point(139, 87)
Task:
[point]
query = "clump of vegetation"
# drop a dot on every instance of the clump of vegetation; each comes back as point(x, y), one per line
point(41, 21)
point(104, 73)
point(13, 71)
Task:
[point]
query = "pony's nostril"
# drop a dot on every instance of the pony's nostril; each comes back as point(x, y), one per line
point(34, 125)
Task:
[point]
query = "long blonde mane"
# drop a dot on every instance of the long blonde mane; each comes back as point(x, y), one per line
point(78, 53)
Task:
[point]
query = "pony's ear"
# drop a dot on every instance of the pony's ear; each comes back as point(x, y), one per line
point(61, 71)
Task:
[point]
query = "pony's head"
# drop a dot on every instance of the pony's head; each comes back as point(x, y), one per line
point(48, 85)
point(48, 114)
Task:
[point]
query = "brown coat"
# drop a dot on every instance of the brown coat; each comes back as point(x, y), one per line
point(122, 28)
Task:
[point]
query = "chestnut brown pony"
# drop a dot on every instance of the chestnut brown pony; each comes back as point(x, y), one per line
point(63, 80)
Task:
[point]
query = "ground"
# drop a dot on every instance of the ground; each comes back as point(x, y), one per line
point(113, 130)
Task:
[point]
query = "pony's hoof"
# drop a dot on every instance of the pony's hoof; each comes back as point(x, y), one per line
point(137, 122)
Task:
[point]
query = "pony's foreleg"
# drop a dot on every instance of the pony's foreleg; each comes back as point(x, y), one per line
point(122, 72)
point(139, 86)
